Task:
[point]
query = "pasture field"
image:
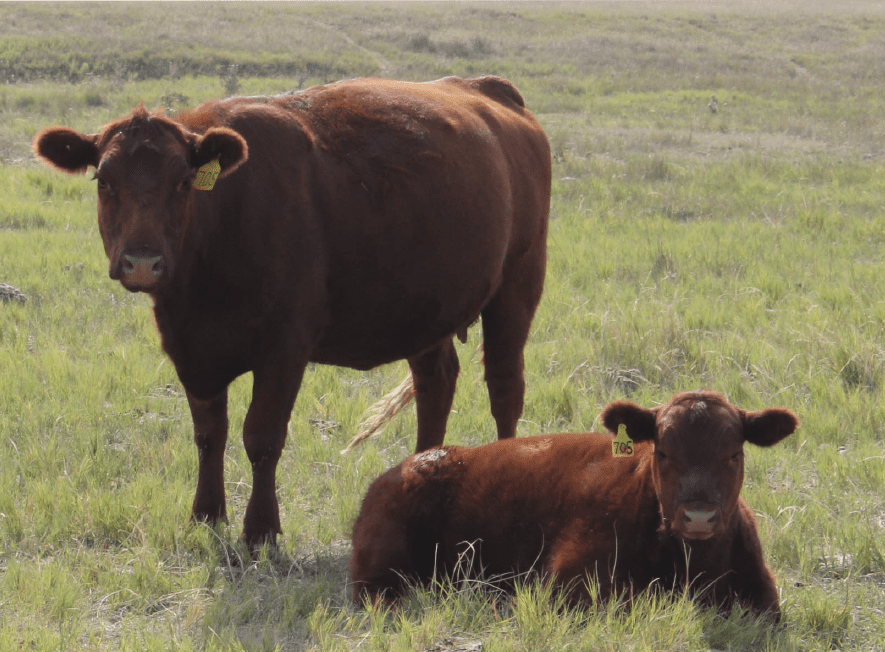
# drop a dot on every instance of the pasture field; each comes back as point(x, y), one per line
point(742, 251)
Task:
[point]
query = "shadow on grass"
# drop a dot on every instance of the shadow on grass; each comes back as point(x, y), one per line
point(266, 600)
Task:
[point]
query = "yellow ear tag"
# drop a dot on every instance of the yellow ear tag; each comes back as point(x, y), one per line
point(207, 175)
point(622, 446)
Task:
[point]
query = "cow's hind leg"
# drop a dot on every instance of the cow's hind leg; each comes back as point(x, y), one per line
point(434, 373)
point(506, 322)
point(210, 436)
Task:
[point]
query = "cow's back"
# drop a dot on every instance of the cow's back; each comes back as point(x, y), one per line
point(426, 193)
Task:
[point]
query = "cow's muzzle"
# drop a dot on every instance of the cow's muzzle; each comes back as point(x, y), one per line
point(697, 520)
point(140, 272)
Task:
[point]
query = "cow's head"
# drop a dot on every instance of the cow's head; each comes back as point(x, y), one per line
point(145, 165)
point(698, 465)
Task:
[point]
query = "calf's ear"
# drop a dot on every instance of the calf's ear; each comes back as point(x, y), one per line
point(66, 149)
point(768, 427)
point(640, 422)
point(223, 144)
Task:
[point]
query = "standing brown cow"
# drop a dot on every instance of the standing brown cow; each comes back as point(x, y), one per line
point(564, 507)
point(351, 224)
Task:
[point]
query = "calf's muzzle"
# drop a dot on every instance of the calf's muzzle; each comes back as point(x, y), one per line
point(697, 520)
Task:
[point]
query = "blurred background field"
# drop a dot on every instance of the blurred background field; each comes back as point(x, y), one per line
point(717, 221)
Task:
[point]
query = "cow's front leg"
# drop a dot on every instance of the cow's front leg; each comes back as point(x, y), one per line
point(210, 436)
point(264, 432)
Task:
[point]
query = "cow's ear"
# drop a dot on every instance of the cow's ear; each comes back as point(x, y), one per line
point(66, 149)
point(640, 422)
point(768, 427)
point(223, 144)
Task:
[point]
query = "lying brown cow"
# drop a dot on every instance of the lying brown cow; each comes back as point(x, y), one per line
point(351, 224)
point(563, 507)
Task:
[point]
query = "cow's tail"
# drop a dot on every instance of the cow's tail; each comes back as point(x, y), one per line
point(380, 414)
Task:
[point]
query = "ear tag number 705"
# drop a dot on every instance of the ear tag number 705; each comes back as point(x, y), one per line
point(622, 446)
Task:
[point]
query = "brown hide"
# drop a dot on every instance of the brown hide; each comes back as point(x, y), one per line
point(352, 224)
point(562, 507)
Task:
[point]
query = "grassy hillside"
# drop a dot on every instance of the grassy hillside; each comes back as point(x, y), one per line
point(740, 250)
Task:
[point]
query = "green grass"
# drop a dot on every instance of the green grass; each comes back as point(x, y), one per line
point(740, 251)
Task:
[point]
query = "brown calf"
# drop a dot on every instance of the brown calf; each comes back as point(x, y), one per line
point(562, 507)
point(351, 224)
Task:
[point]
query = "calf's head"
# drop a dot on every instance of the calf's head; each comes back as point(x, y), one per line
point(145, 166)
point(698, 464)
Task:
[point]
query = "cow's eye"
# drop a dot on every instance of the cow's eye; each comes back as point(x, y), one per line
point(661, 455)
point(185, 185)
point(101, 183)
point(736, 457)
